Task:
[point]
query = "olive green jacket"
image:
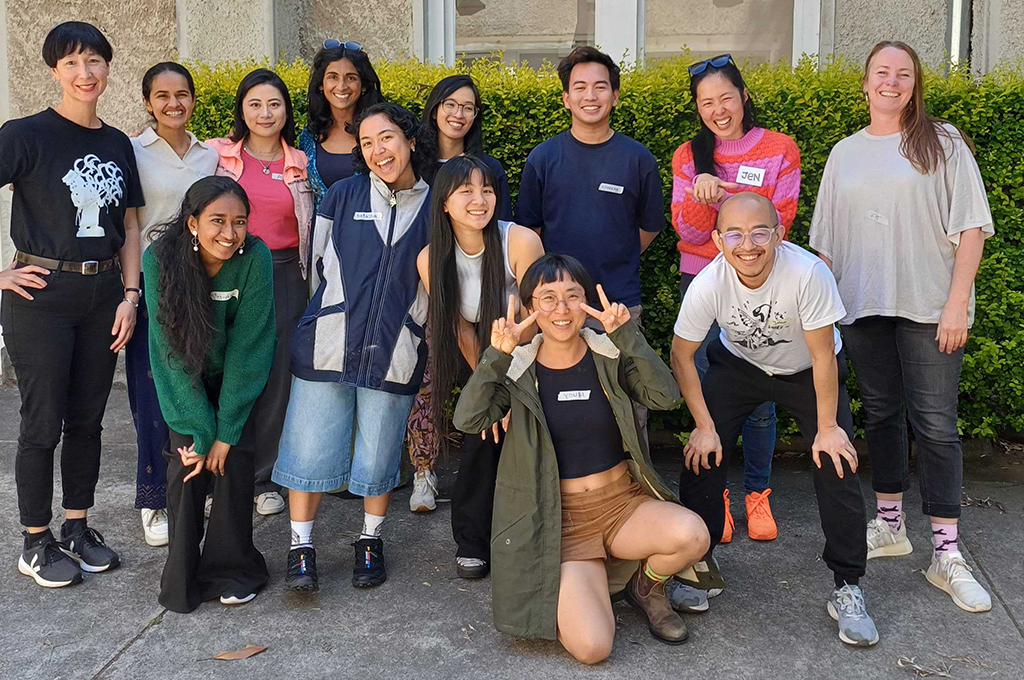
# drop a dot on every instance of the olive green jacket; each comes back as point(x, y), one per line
point(526, 528)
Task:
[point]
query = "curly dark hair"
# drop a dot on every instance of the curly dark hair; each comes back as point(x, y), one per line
point(184, 309)
point(422, 156)
point(320, 117)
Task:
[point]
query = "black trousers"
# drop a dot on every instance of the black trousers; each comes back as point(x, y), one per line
point(228, 563)
point(733, 388)
point(473, 495)
point(59, 344)
point(290, 300)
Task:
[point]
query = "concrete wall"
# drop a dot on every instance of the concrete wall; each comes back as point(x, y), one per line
point(226, 30)
point(384, 27)
point(997, 34)
point(859, 24)
point(523, 21)
point(758, 29)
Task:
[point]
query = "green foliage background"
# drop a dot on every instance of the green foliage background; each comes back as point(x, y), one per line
point(816, 107)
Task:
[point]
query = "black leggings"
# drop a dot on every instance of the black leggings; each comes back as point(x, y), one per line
point(733, 388)
point(229, 563)
point(59, 344)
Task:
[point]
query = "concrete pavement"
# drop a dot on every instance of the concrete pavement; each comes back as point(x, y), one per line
point(426, 623)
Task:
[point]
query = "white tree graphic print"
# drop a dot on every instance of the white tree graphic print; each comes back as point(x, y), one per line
point(93, 185)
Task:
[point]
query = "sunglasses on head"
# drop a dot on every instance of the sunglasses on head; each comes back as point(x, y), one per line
point(699, 67)
point(351, 46)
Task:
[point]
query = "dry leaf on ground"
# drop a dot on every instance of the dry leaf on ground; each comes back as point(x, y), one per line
point(238, 654)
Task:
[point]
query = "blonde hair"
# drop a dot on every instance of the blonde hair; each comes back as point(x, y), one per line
point(921, 144)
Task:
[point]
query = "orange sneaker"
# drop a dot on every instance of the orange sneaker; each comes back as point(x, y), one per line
point(760, 523)
point(730, 523)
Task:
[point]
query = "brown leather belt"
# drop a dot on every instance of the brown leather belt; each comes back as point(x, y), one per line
point(89, 267)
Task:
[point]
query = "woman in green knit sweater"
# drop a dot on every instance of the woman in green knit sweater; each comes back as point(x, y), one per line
point(211, 348)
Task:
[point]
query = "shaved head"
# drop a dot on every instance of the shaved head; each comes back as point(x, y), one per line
point(747, 203)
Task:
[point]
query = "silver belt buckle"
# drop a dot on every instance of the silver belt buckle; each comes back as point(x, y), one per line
point(90, 267)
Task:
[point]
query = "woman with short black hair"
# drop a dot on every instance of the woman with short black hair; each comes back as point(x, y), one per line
point(69, 299)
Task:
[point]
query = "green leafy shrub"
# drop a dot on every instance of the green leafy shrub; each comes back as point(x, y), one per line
point(815, 107)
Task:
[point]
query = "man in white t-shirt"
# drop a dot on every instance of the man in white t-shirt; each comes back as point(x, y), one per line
point(777, 305)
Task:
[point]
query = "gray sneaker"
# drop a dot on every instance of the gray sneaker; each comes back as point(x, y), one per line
point(846, 605)
point(684, 598)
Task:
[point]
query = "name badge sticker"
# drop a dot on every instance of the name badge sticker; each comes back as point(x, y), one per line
point(576, 395)
point(751, 177)
point(277, 176)
point(223, 295)
point(878, 217)
point(610, 188)
point(367, 216)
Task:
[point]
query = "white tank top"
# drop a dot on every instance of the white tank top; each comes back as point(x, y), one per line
point(470, 272)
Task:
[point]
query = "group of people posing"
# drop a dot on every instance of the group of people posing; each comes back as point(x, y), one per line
point(277, 298)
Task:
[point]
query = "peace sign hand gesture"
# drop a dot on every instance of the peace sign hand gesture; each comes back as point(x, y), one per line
point(505, 333)
point(614, 314)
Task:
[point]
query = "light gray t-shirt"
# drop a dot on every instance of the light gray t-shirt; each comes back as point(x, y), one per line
point(892, 232)
point(764, 325)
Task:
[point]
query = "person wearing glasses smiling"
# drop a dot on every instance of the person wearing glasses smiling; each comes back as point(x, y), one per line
point(777, 306)
point(730, 153)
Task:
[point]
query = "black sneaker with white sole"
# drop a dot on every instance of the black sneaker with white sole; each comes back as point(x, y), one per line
point(43, 560)
point(85, 545)
point(302, 570)
point(370, 568)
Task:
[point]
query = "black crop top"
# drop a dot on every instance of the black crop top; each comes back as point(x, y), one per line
point(580, 419)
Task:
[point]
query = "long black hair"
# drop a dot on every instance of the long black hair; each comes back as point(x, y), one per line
point(320, 117)
point(421, 157)
point(262, 76)
point(184, 309)
point(445, 295)
point(473, 142)
point(703, 143)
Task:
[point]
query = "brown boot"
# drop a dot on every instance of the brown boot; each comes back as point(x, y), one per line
point(649, 597)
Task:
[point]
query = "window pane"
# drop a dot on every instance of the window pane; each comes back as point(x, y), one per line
point(526, 30)
point(758, 30)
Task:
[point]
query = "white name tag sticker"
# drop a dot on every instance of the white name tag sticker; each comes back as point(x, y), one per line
point(223, 295)
point(368, 216)
point(878, 217)
point(278, 176)
point(610, 188)
point(577, 395)
point(751, 177)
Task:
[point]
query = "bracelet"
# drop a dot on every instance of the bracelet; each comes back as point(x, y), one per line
point(133, 304)
point(134, 290)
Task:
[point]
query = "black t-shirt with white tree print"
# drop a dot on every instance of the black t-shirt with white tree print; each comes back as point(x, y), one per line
point(72, 186)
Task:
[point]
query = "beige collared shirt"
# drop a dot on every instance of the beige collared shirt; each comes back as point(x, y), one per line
point(165, 177)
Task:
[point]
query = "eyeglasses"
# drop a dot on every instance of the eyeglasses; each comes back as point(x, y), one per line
point(549, 302)
point(761, 236)
point(349, 45)
point(699, 67)
point(451, 106)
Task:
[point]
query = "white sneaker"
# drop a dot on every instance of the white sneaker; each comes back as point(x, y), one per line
point(208, 507)
point(949, 572)
point(884, 542)
point(154, 526)
point(424, 488)
point(269, 503)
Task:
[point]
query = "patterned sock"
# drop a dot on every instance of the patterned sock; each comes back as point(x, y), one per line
point(302, 534)
point(653, 575)
point(371, 525)
point(891, 512)
point(944, 538)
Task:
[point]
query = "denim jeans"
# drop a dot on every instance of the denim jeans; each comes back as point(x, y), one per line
point(759, 432)
point(902, 373)
point(336, 434)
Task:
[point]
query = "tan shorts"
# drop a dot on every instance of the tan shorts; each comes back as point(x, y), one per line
point(591, 519)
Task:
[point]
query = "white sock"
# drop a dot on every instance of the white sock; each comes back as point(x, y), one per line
point(372, 525)
point(302, 534)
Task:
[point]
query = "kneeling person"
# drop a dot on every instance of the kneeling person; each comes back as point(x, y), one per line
point(574, 448)
point(777, 305)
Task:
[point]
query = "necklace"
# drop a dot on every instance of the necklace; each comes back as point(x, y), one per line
point(266, 168)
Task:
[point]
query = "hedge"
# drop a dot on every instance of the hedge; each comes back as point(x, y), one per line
point(816, 107)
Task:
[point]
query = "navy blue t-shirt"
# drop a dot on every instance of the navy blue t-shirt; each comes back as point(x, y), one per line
point(591, 201)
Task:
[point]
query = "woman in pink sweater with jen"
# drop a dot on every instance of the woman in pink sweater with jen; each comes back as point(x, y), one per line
point(730, 153)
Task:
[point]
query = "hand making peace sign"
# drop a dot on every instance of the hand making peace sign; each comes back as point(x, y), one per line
point(614, 314)
point(505, 333)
